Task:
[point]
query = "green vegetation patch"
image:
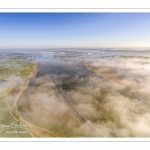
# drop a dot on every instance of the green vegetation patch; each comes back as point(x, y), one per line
point(133, 57)
point(7, 119)
point(11, 68)
point(21, 67)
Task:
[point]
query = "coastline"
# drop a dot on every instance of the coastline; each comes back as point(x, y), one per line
point(35, 131)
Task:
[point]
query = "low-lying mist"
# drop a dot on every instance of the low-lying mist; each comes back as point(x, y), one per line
point(90, 96)
point(116, 100)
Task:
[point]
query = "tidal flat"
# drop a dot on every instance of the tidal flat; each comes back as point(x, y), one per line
point(75, 93)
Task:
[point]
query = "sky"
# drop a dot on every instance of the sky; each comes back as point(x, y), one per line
point(74, 30)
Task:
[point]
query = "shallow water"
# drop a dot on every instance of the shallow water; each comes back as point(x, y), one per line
point(94, 93)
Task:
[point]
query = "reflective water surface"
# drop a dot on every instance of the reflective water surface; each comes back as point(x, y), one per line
point(87, 93)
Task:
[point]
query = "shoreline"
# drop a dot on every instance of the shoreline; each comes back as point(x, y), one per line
point(35, 70)
point(35, 131)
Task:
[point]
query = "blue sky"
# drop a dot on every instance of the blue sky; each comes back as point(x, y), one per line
point(74, 30)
